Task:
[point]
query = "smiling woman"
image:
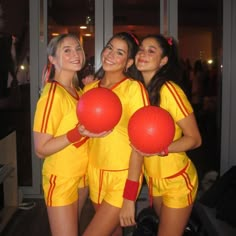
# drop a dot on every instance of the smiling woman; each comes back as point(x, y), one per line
point(56, 132)
point(118, 167)
point(137, 16)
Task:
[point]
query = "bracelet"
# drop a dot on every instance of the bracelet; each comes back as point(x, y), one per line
point(73, 135)
point(131, 190)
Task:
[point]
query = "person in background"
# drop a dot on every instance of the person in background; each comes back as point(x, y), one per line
point(58, 138)
point(198, 80)
point(171, 176)
point(115, 169)
point(7, 64)
point(86, 75)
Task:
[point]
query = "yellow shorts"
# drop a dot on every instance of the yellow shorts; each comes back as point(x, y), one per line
point(83, 182)
point(107, 185)
point(177, 191)
point(61, 191)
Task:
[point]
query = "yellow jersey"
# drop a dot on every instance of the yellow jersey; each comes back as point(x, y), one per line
point(174, 100)
point(112, 152)
point(55, 115)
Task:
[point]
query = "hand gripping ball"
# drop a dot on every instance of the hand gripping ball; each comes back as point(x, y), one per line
point(99, 109)
point(151, 129)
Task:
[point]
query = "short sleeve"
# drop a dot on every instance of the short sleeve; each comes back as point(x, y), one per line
point(48, 112)
point(138, 96)
point(175, 101)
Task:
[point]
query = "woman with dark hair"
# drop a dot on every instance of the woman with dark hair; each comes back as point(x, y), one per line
point(115, 169)
point(171, 176)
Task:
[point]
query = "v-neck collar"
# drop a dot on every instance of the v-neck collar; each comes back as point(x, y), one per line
point(76, 93)
point(115, 85)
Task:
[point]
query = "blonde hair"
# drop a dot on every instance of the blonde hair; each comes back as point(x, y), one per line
point(54, 44)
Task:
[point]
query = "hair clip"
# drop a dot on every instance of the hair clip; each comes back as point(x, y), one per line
point(46, 73)
point(135, 38)
point(170, 41)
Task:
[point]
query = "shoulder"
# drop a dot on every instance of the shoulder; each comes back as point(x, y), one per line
point(132, 87)
point(52, 91)
point(171, 88)
point(91, 85)
point(135, 90)
point(135, 84)
point(174, 99)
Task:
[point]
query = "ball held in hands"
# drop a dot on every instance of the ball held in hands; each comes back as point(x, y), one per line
point(99, 109)
point(151, 129)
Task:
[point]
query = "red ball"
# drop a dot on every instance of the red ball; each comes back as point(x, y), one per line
point(151, 129)
point(99, 109)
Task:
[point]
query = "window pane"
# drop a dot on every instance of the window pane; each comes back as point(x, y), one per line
point(15, 82)
point(78, 17)
point(139, 17)
point(200, 44)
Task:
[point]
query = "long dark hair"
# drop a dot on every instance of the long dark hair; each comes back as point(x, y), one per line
point(133, 44)
point(170, 71)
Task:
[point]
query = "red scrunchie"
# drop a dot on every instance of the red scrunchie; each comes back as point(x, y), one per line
point(131, 190)
point(74, 135)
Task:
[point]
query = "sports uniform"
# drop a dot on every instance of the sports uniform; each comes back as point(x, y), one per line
point(173, 176)
point(109, 156)
point(56, 115)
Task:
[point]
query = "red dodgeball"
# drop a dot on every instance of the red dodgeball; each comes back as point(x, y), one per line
point(99, 109)
point(151, 129)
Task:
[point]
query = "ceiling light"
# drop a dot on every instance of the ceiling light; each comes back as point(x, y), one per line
point(55, 34)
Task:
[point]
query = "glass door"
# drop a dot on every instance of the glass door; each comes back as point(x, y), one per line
point(200, 30)
point(138, 17)
point(15, 83)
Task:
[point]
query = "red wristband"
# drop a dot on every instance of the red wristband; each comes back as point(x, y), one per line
point(73, 135)
point(131, 190)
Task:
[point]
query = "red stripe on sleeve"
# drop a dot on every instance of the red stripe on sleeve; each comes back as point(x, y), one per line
point(177, 98)
point(48, 107)
point(145, 96)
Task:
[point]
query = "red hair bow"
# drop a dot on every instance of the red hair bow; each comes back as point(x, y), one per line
point(170, 41)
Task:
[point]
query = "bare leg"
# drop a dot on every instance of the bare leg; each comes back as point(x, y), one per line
point(157, 204)
point(105, 221)
point(118, 231)
point(173, 220)
point(64, 220)
point(83, 195)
